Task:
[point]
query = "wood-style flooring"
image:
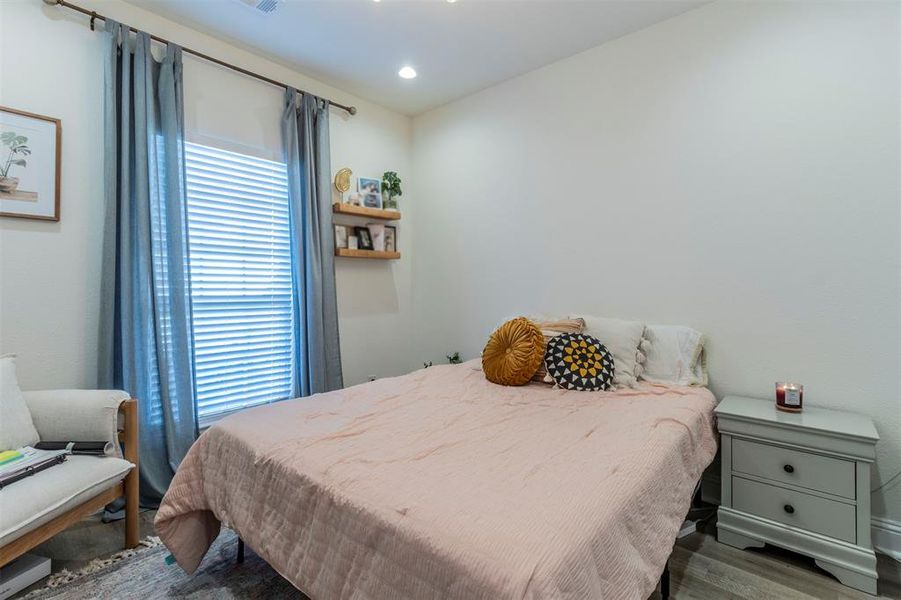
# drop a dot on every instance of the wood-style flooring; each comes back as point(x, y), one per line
point(702, 568)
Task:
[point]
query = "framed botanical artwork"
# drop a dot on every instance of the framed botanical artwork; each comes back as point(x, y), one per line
point(30, 147)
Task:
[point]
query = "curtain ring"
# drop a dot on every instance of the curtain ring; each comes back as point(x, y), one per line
point(93, 18)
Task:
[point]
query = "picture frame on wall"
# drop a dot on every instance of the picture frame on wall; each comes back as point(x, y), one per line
point(30, 157)
point(371, 191)
point(390, 238)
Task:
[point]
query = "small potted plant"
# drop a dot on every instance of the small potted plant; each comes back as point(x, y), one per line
point(16, 149)
point(391, 189)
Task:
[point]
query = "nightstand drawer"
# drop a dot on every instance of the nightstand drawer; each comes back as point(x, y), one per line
point(828, 517)
point(812, 471)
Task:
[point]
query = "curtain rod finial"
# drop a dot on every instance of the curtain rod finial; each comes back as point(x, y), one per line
point(352, 110)
point(51, 2)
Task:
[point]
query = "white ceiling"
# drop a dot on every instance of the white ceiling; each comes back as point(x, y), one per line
point(457, 48)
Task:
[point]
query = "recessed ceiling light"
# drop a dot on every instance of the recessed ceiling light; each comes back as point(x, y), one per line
point(449, 1)
point(407, 72)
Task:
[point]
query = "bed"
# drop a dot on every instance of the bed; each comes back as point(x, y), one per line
point(440, 484)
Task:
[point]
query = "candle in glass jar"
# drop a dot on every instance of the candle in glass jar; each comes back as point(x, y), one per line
point(789, 396)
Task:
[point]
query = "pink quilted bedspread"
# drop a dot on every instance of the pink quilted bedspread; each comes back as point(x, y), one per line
point(439, 484)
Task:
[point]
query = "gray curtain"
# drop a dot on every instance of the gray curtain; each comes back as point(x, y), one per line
point(146, 339)
point(317, 353)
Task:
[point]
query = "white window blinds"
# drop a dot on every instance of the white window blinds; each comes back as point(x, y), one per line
point(240, 279)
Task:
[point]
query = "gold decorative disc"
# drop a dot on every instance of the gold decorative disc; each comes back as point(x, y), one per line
point(342, 179)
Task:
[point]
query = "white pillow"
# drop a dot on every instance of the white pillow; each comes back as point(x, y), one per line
point(675, 356)
point(16, 427)
point(622, 339)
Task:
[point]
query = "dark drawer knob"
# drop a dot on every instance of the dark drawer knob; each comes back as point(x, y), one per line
point(788, 469)
point(789, 509)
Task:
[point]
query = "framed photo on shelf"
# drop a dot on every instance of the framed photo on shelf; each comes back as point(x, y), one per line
point(371, 190)
point(377, 234)
point(369, 185)
point(340, 236)
point(390, 238)
point(30, 149)
point(363, 238)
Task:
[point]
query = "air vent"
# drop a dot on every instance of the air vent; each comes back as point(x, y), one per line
point(264, 6)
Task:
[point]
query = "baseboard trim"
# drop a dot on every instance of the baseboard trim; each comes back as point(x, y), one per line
point(887, 537)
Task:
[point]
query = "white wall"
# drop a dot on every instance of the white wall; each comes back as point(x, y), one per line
point(50, 63)
point(734, 169)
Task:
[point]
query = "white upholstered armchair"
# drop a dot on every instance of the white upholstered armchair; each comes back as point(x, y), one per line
point(38, 507)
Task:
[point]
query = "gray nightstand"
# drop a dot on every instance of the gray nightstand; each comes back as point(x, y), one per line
point(800, 481)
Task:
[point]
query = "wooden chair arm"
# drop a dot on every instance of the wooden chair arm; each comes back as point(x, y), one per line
point(128, 433)
point(129, 437)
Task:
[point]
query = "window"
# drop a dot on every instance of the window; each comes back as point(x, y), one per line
point(240, 279)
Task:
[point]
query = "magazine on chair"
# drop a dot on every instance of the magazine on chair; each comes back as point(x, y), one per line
point(16, 465)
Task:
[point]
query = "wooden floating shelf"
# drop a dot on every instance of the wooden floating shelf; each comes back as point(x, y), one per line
point(348, 253)
point(364, 211)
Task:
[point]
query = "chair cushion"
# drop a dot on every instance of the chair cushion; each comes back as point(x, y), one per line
point(77, 415)
point(16, 427)
point(29, 503)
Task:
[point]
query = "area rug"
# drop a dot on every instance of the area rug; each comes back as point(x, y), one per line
point(145, 573)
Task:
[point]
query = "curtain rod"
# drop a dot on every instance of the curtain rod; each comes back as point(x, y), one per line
point(94, 15)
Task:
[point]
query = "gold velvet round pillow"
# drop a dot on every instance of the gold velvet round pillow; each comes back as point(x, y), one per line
point(513, 352)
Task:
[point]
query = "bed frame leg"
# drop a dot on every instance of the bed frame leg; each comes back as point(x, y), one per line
point(240, 558)
point(664, 582)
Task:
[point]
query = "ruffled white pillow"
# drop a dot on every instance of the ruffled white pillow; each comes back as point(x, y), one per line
point(676, 356)
point(623, 339)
